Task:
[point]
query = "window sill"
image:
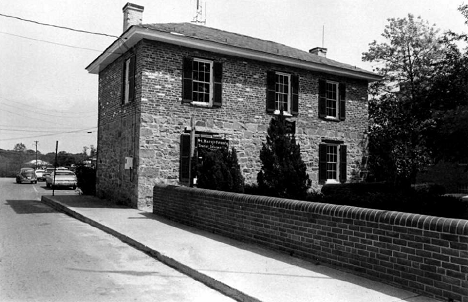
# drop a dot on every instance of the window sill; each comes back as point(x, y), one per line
point(330, 118)
point(277, 112)
point(332, 182)
point(201, 104)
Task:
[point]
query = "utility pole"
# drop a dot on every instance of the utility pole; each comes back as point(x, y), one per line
point(36, 153)
point(55, 168)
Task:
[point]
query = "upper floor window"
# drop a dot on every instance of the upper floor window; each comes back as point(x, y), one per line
point(202, 82)
point(282, 93)
point(332, 100)
point(332, 162)
point(128, 84)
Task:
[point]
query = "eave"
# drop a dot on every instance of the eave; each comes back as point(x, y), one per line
point(137, 33)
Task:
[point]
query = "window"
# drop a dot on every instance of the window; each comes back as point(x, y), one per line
point(282, 93)
point(332, 100)
point(202, 82)
point(128, 84)
point(332, 162)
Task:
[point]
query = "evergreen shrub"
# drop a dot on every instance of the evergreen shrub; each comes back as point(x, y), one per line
point(283, 172)
point(219, 170)
point(86, 178)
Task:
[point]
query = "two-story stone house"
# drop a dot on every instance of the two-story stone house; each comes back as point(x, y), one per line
point(157, 79)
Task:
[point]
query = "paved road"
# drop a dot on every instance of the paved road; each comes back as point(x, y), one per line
point(48, 256)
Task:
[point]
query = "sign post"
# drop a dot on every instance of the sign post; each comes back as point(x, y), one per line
point(55, 168)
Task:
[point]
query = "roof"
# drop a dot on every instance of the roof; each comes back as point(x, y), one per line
point(216, 40)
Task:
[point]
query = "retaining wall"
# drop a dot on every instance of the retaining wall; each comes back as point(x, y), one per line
point(425, 254)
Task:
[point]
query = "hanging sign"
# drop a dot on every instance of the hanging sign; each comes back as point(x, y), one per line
point(211, 144)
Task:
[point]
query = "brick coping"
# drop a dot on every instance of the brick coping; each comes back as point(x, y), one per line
point(425, 222)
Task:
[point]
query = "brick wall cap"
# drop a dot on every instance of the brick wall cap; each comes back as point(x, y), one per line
point(424, 222)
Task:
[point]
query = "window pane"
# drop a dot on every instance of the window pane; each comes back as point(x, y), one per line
point(201, 81)
point(332, 99)
point(282, 92)
point(332, 162)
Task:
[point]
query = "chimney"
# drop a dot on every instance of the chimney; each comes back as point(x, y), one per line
point(132, 15)
point(319, 51)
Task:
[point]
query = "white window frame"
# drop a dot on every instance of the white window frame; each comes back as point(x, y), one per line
point(127, 81)
point(336, 163)
point(336, 100)
point(211, 83)
point(286, 111)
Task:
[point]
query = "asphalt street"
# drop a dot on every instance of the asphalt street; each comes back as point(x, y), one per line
point(48, 256)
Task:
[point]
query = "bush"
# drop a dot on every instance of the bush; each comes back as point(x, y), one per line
point(423, 199)
point(283, 172)
point(219, 170)
point(86, 177)
point(358, 188)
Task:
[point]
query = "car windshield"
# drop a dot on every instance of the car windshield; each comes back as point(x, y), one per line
point(64, 173)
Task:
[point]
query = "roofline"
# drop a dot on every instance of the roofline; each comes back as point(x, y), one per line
point(136, 33)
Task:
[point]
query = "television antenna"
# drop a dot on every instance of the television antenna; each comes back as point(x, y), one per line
point(200, 16)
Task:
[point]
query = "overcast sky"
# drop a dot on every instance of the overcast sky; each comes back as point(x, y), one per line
point(46, 95)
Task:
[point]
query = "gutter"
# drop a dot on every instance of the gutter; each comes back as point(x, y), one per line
point(136, 33)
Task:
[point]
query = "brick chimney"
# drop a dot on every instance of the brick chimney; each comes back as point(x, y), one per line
point(319, 51)
point(132, 15)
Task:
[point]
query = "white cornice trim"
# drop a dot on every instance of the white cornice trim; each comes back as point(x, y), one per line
point(135, 33)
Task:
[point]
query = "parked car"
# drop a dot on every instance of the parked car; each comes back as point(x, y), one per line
point(40, 174)
point(63, 178)
point(47, 172)
point(26, 175)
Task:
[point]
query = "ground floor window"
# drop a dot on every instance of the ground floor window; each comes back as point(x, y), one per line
point(332, 162)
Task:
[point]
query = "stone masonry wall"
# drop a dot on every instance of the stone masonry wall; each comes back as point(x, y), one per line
point(425, 254)
point(242, 117)
point(118, 132)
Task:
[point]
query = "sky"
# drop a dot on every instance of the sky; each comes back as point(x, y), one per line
point(46, 95)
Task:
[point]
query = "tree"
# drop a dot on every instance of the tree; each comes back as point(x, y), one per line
point(20, 147)
point(92, 151)
point(449, 95)
point(219, 170)
point(401, 121)
point(283, 172)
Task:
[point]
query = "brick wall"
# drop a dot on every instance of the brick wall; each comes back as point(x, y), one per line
point(425, 254)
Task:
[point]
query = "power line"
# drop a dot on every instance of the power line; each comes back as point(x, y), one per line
point(30, 130)
point(42, 135)
point(38, 108)
point(66, 45)
point(57, 26)
point(30, 117)
point(53, 115)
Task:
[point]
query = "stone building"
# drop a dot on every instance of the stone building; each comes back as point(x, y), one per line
point(159, 81)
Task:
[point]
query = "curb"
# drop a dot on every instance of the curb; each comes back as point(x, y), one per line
point(194, 274)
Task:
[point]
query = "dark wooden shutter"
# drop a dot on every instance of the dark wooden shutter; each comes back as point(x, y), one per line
point(343, 163)
point(271, 92)
point(131, 79)
point(184, 164)
point(218, 86)
point(295, 94)
point(187, 80)
point(342, 90)
point(124, 71)
point(322, 163)
point(322, 102)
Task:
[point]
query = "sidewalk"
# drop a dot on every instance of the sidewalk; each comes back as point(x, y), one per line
point(242, 271)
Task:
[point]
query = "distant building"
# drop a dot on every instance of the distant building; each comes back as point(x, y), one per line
point(157, 77)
